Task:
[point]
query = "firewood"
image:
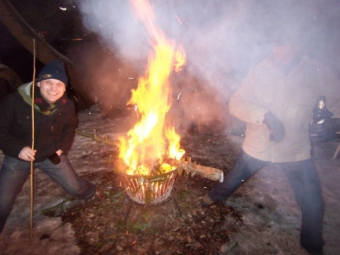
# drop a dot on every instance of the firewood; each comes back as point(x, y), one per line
point(210, 173)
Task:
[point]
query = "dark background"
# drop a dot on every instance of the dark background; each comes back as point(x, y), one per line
point(58, 27)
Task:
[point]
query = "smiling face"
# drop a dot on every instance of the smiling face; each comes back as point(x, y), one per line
point(51, 90)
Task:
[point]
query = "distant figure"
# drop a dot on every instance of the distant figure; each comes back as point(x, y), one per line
point(55, 122)
point(276, 101)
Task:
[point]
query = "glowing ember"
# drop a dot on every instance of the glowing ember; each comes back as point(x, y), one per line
point(151, 140)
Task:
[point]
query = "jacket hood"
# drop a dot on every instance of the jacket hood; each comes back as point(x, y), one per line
point(25, 92)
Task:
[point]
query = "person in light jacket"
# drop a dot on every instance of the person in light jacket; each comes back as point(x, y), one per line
point(276, 101)
point(55, 122)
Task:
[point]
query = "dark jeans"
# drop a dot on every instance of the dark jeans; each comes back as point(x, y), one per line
point(14, 173)
point(244, 167)
point(304, 181)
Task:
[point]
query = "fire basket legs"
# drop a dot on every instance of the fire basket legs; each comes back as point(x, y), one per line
point(131, 203)
point(176, 205)
point(128, 211)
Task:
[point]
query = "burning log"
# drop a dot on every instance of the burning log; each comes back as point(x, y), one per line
point(210, 173)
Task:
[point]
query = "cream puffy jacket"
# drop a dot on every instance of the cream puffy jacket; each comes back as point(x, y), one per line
point(291, 98)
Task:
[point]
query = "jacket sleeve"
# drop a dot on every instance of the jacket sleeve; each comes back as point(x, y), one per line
point(247, 103)
point(68, 131)
point(9, 144)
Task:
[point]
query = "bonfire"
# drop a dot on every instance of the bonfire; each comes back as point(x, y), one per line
point(152, 141)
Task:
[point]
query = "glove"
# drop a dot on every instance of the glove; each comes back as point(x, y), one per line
point(276, 128)
point(54, 158)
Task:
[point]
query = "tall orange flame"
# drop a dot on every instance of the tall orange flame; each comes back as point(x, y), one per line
point(151, 140)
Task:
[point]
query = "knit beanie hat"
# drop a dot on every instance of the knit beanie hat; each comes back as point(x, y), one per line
point(53, 70)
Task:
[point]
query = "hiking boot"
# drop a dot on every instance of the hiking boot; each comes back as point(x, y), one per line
point(206, 201)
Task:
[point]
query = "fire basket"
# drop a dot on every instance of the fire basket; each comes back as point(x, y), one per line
point(149, 190)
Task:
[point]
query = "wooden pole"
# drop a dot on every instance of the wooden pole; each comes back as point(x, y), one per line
point(32, 162)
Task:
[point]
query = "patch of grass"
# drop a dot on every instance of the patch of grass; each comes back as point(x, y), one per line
point(139, 227)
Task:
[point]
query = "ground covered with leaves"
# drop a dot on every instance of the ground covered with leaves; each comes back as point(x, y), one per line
point(105, 225)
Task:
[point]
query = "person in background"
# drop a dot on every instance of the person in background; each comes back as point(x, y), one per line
point(276, 101)
point(55, 122)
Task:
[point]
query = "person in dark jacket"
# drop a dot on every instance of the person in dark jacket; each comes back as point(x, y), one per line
point(55, 122)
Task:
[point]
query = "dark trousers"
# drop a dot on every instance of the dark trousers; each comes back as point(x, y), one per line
point(14, 173)
point(304, 181)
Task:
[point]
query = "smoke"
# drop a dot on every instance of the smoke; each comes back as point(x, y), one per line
point(118, 29)
point(222, 39)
